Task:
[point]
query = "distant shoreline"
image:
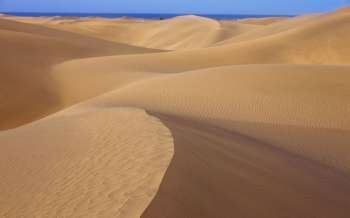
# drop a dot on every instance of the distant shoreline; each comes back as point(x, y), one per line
point(140, 15)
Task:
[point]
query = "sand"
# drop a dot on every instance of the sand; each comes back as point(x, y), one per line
point(28, 53)
point(185, 117)
point(183, 32)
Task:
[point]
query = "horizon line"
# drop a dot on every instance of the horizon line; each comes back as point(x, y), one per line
point(151, 13)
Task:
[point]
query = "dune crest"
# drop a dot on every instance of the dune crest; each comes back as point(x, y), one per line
point(244, 118)
point(104, 167)
point(183, 32)
point(27, 74)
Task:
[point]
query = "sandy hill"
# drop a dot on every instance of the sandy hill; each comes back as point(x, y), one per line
point(262, 21)
point(343, 10)
point(254, 126)
point(280, 25)
point(315, 42)
point(28, 52)
point(184, 32)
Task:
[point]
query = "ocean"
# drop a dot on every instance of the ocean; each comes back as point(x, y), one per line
point(143, 16)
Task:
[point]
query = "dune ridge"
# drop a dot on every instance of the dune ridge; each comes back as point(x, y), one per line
point(27, 75)
point(100, 170)
point(241, 118)
point(183, 32)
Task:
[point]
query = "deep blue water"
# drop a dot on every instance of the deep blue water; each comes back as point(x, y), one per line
point(144, 16)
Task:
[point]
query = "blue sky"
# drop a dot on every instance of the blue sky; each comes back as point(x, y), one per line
point(174, 6)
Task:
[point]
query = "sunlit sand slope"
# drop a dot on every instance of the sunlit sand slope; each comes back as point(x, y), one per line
point(243, 118)
point(315, 42)
point(83, 162)
point(247, 99)
point(259, 131)
point(184, 32)
point(27, 54)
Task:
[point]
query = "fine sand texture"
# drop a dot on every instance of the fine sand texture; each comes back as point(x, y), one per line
point(184, 117)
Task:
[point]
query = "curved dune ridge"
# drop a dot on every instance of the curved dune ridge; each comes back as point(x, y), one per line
point(28, 53)
point(244, 118)
point(183, 32)
point(88, 162)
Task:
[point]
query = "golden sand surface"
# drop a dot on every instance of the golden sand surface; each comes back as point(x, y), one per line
point(184, 117)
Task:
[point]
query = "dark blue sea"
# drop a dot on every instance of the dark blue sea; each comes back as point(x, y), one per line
point(143, 16)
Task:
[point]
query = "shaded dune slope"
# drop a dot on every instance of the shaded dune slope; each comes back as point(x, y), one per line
point(248, 178)
point(27, 54)
point(278, 99)
point(255, 127)
point(295, 114)
point(315, 43)
point(235, 144)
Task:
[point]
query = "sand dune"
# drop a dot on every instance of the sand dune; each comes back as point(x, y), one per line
point(275, 105)
point(184, 32)
point(314, 42)
point(135, 67)
point(88, 162)
point(248, 178)
point(243, 118)
point(262, 21)
point(280, 25)
point(28, 52)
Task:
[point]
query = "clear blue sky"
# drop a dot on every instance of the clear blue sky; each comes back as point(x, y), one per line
point(174, 6)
